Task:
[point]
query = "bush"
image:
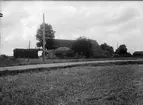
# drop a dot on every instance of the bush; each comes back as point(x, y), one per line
point(83, 46)
point(116, 55)
point(50, 54)
point(70, 53)
point(64, 52)
point(129, 54)
point(3, 57)
point(109, 49)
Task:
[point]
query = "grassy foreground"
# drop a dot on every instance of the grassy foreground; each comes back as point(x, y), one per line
point(88, 85)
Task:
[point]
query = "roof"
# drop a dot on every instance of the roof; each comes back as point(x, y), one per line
point(138, 52)
point(68, 43)
point(63, 43)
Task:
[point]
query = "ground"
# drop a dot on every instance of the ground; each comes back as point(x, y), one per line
point(87, 85)
point(11, 61)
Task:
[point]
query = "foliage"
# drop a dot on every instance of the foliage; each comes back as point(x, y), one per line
point(25, 53)
point(64, 52)
point(50, 54)
point(107, 48)
point(83, 46)
point(121, 50)
point(129, 54)
point(49, 43)
point(49, 36)
point(3, 57)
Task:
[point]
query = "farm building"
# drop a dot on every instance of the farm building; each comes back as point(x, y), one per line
point(25, 53)
point(97, 51)
point(63, 43)
point(138, 54)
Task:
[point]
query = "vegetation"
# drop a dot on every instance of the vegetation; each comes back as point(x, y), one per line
point(51, 58)
point(64, 52)
point(3, 57)
point(107, 48)
point(121, 50)
point(129, 54)
point(83, 46)
point(49, 36)
point(88, 85)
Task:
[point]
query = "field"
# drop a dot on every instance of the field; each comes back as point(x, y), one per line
point(20, 61)
point(87, 85)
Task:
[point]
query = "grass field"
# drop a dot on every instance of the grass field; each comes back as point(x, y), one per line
point(87, 85)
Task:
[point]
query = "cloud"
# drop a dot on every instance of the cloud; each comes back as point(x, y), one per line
point(125, 15)
point(109, 22)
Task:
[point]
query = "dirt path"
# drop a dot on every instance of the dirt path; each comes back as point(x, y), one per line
point(58, 65)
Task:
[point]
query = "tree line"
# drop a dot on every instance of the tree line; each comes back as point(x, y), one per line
point(82, 45)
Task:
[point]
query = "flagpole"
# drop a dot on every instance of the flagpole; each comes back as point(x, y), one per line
point(43, 38)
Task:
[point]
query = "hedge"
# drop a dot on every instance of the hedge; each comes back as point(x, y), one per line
point(25, 53)
point(64, 52)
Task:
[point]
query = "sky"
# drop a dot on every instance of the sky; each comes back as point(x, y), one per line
point(108, 22)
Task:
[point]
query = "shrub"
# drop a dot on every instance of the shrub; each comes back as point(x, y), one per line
point(83, 46)
point(50, 54)
point(116, 55)
point(107, 48)
point(3, 57)
point(70, 53)
point(64, 52)
point(129, 54)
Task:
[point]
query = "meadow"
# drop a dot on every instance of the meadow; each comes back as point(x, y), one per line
point(86, 85)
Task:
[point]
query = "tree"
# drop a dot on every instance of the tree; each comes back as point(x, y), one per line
point(107, 48)
point(82, 46)
point(129, 54)
point(49, 36)
point(121, 50)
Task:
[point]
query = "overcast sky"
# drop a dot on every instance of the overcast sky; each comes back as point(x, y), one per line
point(103, 21)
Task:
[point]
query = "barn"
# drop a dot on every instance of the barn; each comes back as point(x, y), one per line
point(97, 51)
point(138, 54)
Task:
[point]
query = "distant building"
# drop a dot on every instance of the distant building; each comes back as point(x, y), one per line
point(1, 15)
point(63, 43)
point(97, 51)
point(138, 54)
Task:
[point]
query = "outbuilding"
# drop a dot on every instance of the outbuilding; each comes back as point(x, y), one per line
point(138, 54)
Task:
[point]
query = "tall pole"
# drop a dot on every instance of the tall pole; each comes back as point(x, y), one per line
point(29, 48)
point(29, 44)
point(43, 38)
point(1, 15)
